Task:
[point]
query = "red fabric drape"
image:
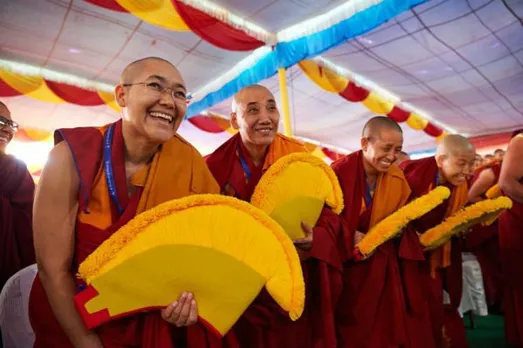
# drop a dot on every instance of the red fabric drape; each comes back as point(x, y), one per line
point(398, 114)
point(214, 31)
point(75, 95)
point(432, 130)
point(206, 123)
point(331, 154)
point(108, 4)
point(7, 91)
point(354, 93)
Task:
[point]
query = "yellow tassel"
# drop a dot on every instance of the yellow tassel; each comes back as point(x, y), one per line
point(94, 263)
point(262, 196)
point(463, 219)
point(393, 224)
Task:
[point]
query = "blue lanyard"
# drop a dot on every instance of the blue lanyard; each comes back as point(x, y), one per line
point(108, 167)
point(436, 182)
point(244, 164)
point(368, 195)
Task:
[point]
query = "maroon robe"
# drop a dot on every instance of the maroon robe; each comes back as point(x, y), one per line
point(511, 250)
point(147, 329)
point(484, 244)
point(16, 217)
point(264, 324)
point(372, 310)
point(445, 319)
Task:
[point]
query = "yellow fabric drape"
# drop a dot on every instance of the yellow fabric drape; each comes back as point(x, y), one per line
point(158, 12)
point(324, 78)
point(377, 104)
point(416, 122)
point(32, 86)
point(109, 100)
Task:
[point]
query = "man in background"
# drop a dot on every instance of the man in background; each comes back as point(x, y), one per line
point(16, 205)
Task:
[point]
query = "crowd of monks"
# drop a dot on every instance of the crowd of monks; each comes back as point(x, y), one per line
point(97, 179)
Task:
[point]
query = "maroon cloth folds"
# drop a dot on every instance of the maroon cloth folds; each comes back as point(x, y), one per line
point(16, 217)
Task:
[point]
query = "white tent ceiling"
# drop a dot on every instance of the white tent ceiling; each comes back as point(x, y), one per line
point(460, 61)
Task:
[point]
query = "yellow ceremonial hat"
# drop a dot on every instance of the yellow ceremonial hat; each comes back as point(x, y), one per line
point(219, 248)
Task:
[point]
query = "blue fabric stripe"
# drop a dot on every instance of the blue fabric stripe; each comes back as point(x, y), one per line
point(289, 53)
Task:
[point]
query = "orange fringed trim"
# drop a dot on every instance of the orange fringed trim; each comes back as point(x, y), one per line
point(280, 165)
point(90, 268)
point(393, 224)
point(464, 219)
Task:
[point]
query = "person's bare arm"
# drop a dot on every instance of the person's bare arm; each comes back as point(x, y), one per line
point(54, 218)
point(486, 180)
point(512, 171)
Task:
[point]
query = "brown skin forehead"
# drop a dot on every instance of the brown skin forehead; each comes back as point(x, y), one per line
point(467, 154)
point(253, 93)
point(140, 71)
point(384, 133)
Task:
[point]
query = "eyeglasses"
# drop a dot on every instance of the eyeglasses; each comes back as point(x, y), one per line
point(158, 88)
point(5, 122)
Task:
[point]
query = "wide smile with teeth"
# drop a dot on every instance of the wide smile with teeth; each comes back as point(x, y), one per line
point(264, 130)
point(161, 115)
point(385, 163)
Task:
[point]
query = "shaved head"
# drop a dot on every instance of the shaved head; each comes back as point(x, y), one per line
point(255, 115)
point(133, 69)
point(376, 125)
point(516, 133)
point(241, 96)
point(453, 144)
point(153, 99)
point(455, 158)
point(381, 142)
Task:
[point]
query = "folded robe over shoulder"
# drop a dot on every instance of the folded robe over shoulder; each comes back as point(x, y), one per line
point(16, 212)
point(176, 170)
point(371, 311)
point(264, 324)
